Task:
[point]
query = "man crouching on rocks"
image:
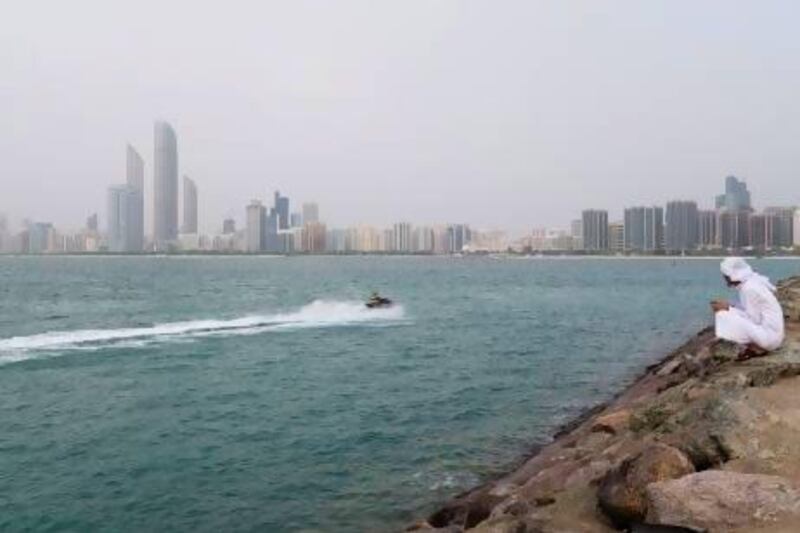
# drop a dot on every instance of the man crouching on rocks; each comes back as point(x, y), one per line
point(756, 321)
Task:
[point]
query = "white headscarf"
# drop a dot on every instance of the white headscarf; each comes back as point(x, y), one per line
point(737, 269)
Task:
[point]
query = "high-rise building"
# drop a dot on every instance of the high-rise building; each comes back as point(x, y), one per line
point(423, 240)
point(256, 226)
point(595, 230)
point(134, 178)
point(796, 229)
point(91, 223)
point(616, 236)
point(734, 229)
point(313, 236)
point(189, 206)
point(759, 230)
point(165, 185)
point(228, 226)
point(336, 241)
point(41, 238)
point(401, 237)
point(644, 229)
point(576, 232)
point(282, 208)
point(736, 196)
point(123, 203)
point(310, 212)
point(458, 236)
point(707, 236)
point(681, 226)
point(784, 230)
point(272, 240)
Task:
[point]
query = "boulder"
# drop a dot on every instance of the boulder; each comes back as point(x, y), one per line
point(612, 423)
point(716, 500)
point(621, 494)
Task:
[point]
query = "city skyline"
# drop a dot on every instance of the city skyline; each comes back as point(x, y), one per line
point(453, 106)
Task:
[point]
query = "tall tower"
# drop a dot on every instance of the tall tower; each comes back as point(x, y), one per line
point(165, 185)
point(135, 182)
point(189, 205)
point(282, 209)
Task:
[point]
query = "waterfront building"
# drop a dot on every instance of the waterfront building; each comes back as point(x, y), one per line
point(736, 196)
point(336, 241)
point(616, 237)
point(296, 220)
point(759, 230)
point(576, 232)
point(314, 235)
point(282, 208)
point(310, 212)
point(41, 237)
point(123, 203)
point(189, 205)
point(595, 230)
point(256, 226)
point(796, 228)
point(401, 238)
point(644, 229)
point(423, 240)
point(458, 236)
point(134, 178)
point(228, 226)
point(734, 229)
point(707, 229)
point(272, 242)
point(784, 229)
point(681, 226)
point(165, 185)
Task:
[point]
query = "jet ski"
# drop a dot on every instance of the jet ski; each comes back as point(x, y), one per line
point(378, 302)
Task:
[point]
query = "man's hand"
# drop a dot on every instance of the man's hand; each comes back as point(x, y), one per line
point(720, 305)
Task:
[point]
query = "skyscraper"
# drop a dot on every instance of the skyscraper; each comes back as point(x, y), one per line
point(134, 177)
point(595, 230)
point(401, 237)
point(228, 226)
point(297, 220)
point(310, 212)
point(119, 204)
point(681, 226)
point(189, 205)
point(644, 229)
point(458, 236)
point(784, 230)
point(256, 226)
point(736, 196)
point(282, 209)
point(165, 185)
point(707, 234)
point(734, 229)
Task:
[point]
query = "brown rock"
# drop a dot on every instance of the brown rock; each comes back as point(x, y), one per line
point(612, 423)
point(717, 500)
point(621, 494)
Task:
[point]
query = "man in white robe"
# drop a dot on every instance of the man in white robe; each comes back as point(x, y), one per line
point(756, 321)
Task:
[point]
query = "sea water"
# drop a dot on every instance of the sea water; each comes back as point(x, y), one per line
point(258, 394)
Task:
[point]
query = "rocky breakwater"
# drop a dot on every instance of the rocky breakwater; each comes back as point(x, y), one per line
point(700, 442)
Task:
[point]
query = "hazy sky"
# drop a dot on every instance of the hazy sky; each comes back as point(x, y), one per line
point(507, 114)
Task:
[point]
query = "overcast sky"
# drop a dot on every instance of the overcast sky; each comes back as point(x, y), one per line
point(509, 114)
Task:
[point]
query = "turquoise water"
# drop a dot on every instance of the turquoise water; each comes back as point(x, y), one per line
point(243, 394)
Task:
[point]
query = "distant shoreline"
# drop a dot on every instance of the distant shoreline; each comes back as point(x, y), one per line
point(493, 255)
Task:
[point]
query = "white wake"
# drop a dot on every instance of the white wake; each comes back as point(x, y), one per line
point(320, 313)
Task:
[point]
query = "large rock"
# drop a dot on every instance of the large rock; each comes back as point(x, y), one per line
point(621, 494)
point(612, 423)
point(717, 500)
